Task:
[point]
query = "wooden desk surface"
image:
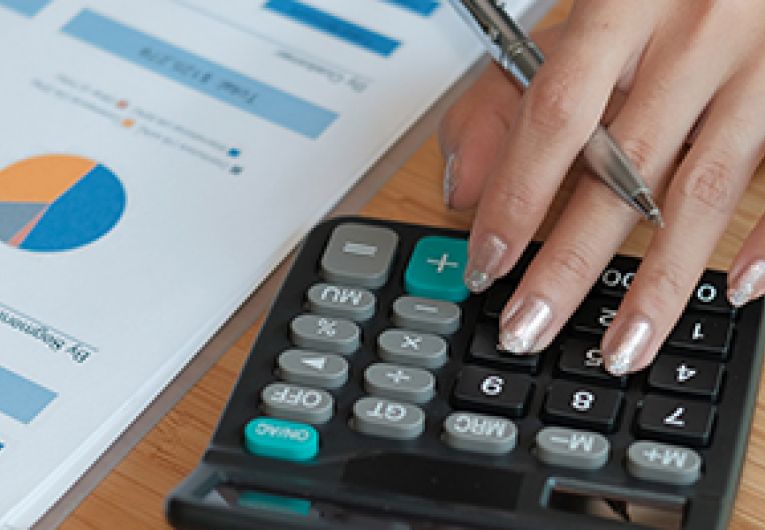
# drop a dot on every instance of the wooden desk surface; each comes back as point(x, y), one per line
point(133, 494)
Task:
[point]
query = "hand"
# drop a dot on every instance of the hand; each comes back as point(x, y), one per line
point(671, 70)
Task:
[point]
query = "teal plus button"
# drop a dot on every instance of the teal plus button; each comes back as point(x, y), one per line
point(436, 269)
point(274, 438)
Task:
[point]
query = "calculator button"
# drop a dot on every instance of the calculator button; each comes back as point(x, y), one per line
point(400, 382)
point(496, 298)
point(423, 314)
point(297, 403)
point(559, 446)
point(338, 301)
point(663, 463)
point(483, 350)
point(578, 405)
point(617, 278)
point(274, 438)
point(703, 332)
point(595, 315)
point(676, 420)
point(709, 294)
point(479, 433)
point(692, 376)
point(313, 368)
point(411, 348)
point(583, 359)
point(359, 254)
point(436, 269)
point(390, 419)
point(487, 390)
point(325, 333)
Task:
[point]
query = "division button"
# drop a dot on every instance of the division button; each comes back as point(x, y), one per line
point(297, 403)
point(559, 446)
point(316, 332)
point(423, 314)
point(436, 269)
point(313, 368)
point(411, 348)
point(663, 463)
point(399, 382)
point(389, 419)
point(275, 438)
point(359, 254)
point(338, 301)
point(480, 433)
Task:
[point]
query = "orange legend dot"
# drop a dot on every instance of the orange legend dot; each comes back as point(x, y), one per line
point(128, 123)
point(122, 104)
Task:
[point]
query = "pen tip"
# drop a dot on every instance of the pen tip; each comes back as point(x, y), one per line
point(655, 217)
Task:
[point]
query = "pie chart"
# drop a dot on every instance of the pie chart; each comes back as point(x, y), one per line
point(55, 203)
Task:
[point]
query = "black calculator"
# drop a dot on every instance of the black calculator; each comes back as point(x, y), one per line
point(375, 398)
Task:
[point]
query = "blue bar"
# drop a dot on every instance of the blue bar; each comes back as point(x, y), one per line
point(27, 8)
point(421, 7)
point(20, 398)
point(260, 99)
point(335, 26)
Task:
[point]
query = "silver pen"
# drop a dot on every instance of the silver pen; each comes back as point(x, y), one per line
point(515, 52)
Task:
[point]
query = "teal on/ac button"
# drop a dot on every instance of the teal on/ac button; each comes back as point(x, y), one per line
point(287, 440)
point(436, 269)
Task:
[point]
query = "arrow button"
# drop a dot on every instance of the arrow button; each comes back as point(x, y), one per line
point(313, 369)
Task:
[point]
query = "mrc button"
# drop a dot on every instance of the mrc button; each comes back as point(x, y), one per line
point(359, 255)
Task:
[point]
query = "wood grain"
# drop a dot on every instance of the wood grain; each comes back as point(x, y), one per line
point(132, 495)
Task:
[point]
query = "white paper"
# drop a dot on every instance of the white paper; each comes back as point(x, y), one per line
point(103, 327)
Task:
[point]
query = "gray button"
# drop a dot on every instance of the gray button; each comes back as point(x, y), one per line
point(425, 314)
point(297, 403)
point(338, 301)
point(663, 463)
point(325, 333)
point(480, 433)
point(390, 419)
point(408, 347)
point(359, 254)
point(313, 368)
point(559, 446)
point(399, 382)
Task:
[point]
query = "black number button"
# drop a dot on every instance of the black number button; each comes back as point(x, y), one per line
point(497, 297)
point(691, 376)
point(616, 279)
point(709, 294)
point(484, 390)
point(595, 315)
point(483, 350)
point(584, 406)
point(583, 359)
point(703, 332)
point(676, 420)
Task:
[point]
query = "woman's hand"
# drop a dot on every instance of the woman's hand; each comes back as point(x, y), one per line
point(672, 70)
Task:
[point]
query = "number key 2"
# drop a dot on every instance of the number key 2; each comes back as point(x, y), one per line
point(485, 390)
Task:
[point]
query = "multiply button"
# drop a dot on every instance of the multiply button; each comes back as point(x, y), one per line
point(326, 334)
point(663, 463)
point(359, 254)
point(297, 403)
point(558, 446)
point(399, 382)
point(415, 349)
point(423, 314)
point(436, 269)
point(389, 419)
point(480, 433)
point(313, 368)
point(338, 301)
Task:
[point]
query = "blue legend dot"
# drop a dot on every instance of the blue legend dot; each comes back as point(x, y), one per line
point(236, 170)
point(234, 152)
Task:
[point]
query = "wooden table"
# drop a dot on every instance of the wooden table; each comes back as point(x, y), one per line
point(132, 495)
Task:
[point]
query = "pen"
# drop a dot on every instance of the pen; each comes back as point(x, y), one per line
point(515, 52)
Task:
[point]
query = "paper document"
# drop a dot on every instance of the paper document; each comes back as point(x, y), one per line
point(158, 159)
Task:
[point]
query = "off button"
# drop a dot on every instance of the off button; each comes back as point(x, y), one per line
point(286, 440)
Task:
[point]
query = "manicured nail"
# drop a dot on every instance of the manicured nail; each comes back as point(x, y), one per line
point(748, 284)
point(523, 324)
point(624, 345)
point(483, 264)
point(450, 178)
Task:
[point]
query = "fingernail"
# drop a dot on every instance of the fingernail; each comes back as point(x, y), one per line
point(748, 283)
point(483, 264)
point(624, 345)
point(523, 324)
point(450, 178)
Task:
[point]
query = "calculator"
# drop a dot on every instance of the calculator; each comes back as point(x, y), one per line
point(375, 397)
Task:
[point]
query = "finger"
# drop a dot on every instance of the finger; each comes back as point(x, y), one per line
point(746, 278)
point(559, 112)
point(700, 201)
point(475, 129)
